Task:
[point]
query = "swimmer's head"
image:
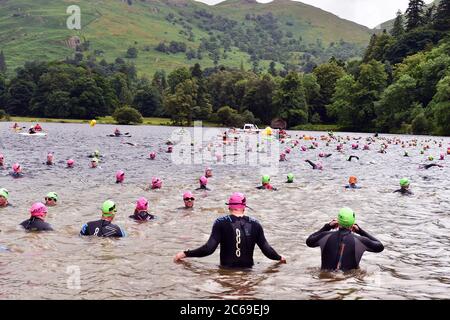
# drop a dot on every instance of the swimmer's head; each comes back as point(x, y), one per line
point(142, 204)
point(265, 179)
point(109, 209)
point(203, 181)
point(188, 199)
point(156, 183)
point(237, 202)
point(50, 157)
point(346, 218)
point(17, 168)
point(51, 199)
point(430, 158)
point(208, 172)
point(4, 195)
point(404, 182)
point(38, 210)
point(2, 157)
point(96, 153)
point(352, 180)
point(120, 176)
point(441, 156)
point(94, 162)
point(70, 163)
point(152, 155)
point(290, 177)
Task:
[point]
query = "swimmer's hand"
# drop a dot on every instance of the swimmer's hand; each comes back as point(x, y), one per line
point(283, 260)
point(179, 256)
point(334, 224)
point(355, 228)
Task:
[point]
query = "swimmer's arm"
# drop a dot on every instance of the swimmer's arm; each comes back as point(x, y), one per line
point(314, 239)
point(371, 243)
point(264, 245)
point(209, 247)
point(123, 233)
point(84, 230)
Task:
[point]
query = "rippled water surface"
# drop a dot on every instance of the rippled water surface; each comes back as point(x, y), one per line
point(415, 230)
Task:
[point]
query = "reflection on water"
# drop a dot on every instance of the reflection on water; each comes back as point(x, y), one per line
point(414, 230)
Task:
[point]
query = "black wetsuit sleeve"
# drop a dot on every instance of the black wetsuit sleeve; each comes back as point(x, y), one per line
point(209, 247)
point(311, 163)
point(265, 247)
point(313, 240)
point(372, 244)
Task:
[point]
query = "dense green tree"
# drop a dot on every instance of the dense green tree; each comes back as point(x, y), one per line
point(127, 115)
point(258, 98)
point(398, 29)
point(2, 62)
point(3, 91)
point(414, 14)
point(440, 106)
point(159, 81)
point(147, 100)
point(290, 100)
point(20, 93)
point(327, 74)
point(176, 77)
point(121, 87)
point(181, 104)
point(442, 17)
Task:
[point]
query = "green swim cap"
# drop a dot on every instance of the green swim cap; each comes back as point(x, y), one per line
point(404, 182)
point(290, 177)
point(430, 158)
point(107, 207)
point(265, 178)
point(4, 193)
point(96, 153)
point(53, 195)
point(346, 217)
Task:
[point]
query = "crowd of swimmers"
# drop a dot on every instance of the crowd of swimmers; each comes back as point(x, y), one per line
point(342, 240)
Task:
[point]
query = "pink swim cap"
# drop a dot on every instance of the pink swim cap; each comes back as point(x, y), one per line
point(188, 195)
point(321, 154)
point(1, 157)
point(142, 204)
point(288, 150)
point(156, 183)
point(237, 201)
point(282, 156)
point(50, 156)
point(38, 210)
point(169, 149)
point(319, 166)
point(441, 156)
point(16, 167)
point(203, 181)
point(70, 162)
point(303, 148)
point(152, 155)
point(120, 176)
point(354, 146)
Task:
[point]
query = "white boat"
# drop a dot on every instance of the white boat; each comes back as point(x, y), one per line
point(39, 134)
point(250, 128)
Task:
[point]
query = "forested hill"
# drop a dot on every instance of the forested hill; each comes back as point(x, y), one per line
point(166, 34)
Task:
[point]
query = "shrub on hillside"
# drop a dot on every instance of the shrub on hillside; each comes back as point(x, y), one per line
point(127, 115)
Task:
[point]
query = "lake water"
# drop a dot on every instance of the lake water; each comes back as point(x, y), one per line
point(414, 230)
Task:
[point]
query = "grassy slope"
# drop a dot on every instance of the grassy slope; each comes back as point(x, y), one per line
point(113, 26)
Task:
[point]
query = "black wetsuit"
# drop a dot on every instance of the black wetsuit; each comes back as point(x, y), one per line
point(342, 249)
point(351, 157)
point(312, 164)
point(267, 187)
point(142, 216)
point(428, 166)
point(102, 228)
point(36, 224)
point(404, 191)
point(203, 188)
point(237, 237)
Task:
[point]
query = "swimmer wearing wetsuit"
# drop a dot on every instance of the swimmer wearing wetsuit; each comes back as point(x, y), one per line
point(404, 187)
point(266, 184)
point(104, 227)
point(237, 235)
point(428, 166)
point(343, 249)
point(314, 166)
point(351, 157)
point(36, 222)
point(141, 211)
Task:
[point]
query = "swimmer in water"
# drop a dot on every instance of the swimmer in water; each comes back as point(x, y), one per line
point(351, 157)
point(96, 154)
point(156, 183)
point(104, 227)
point(51, 199)
point(17, 170)
point(37, 220)
point(152, 155)
point(203, 182)
point(237, 235)
point(342, 249)
point(70, 163)
point(266, 184)
point(290, 178)
point(120, 176)
point(94, 163)
point(2, 161)
point(352, 183)
point(117, 132)
point(208, 173)
point(49, 159)
point(315, 166)
point(188, 199)
point(404, 187)
point(141, 211)
point(4, 195)
point(428, 166)
point(406, 154)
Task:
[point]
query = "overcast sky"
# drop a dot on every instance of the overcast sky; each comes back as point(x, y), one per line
point(366, 12)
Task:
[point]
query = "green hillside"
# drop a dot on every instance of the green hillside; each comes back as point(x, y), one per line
point(232, 33)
